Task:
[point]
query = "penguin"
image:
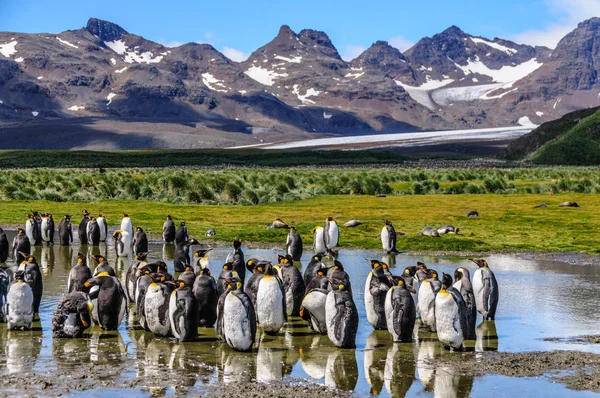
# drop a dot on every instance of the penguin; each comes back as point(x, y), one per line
point(205, 291)
point(103, 226)
point(257, 268)
point(38, 230)
point(72, 316)
point(182, 254)
point(331, 234)
point(65, 231)
point(31, 229)
point(79, 274)
point(19, 304)
point(188, 276)
point(341, 275)
point(319, 281)
point(412, 283)
point(485, 288)
point(47, 229)
point(237, 317)
point(450, 315)
point(182, 233)
point(376, 287)
point(140, 241)
point(122, 240)
point(388, 238)
point(158, 267)
point(4, 249)
point(183, 312)
point(236, 258)
point(33, 276)
point(5, 280)
point(293, 285)
point(311, 269)
point(293, 245)
point(462, 283)
point(319, 241)
point(133, 274)
point(21, 244)
point(93, 232)
point(126, 224)
point(200, 261)
point(448, 229)
point(429, 231)
point(226, 272)
point(428, 290)
point(352, 224)
point(473, 213)
point(341, 316)
point(313, 309)
point(400, 311)
point(110, 298)
point(270, 302)
point(156, 305)
point(82, 232)
point(278, 223)
point(102, 266)
point(168, 231)
point(141, 287)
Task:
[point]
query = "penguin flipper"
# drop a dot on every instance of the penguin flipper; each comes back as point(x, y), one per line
point(178, 314)
point(398, 314)
point(486, 291)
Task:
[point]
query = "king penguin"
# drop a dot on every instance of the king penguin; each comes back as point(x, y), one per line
point(47, 229)
point(110, 300)
point(270, 302)
point(237, 318)
point(331, 234)
point(122, 240)
point(311, 269)
point(182, 254)
point(93, 232)
point(82, 231)
point(293, 245)
point(205, 291)
point(319, 241)
point(4, 249)
point(200, 261)
point(168, 230)
point(462, 283)
point(103, 226)
point(126, 224)
point(78, 275)
point(236, 258)
point(257, 268)
point(31, 228)
point(183, 312)
point(72, 316)
point(33, 276)
point(181, 234)
point(21, 244)
point(65, 231)
point(428, 290)
point(341, 316)
point(376, 287)
point(388, 238)
point(400, 311)
point(140, 241)
point(226, 272)
point(485, 288)
point(156, 305)
point(133, 274)
point(293, 285)
point(450, 315)
point(19, 304)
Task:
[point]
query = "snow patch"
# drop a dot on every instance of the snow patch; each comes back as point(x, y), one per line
point(487, 95)
point(19, 60)
point(524, 121)
point(66, 43)
point(242, 92)
point(539, 114)
point(327, 115)
point(109, 97)
point(40, 77)
point(75, 108)
point(34, 113)
point(264, 76)
point(121, 70)
point(130, 57)
point(209, 80)
point(499, 47)
point(447, 96)
point(8, 49)
point(113, 61)
point(311, 92)
point(117, 46)
point(296, 59)
point(355, 75)
point(503, 75)
point(475, 80)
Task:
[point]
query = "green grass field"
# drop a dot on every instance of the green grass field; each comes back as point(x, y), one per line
point(506, 222)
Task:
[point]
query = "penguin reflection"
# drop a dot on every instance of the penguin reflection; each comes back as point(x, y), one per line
point(342, 370)
point(237, 367)
point(269, 360)
point(450, 383)
point(22, 350)
point(487, 337)
point(428, 352)
point(399, 371)
point(314, 358)
point(47, 259)
point(65, 257)
point(375, 355)
point(107, 348)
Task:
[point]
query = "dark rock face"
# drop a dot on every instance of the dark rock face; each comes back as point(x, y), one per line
point(385, 58)
point(106, 31)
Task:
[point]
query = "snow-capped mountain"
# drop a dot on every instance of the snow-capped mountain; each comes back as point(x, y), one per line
point(297, 84)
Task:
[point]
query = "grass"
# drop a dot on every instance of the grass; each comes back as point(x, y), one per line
point(506, 222)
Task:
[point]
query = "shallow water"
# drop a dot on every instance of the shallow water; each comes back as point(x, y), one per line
point(538, 299)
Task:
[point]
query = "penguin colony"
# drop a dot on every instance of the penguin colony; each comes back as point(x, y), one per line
point(176, 307)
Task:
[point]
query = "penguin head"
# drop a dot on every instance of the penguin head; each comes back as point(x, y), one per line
point(98, 258)
point(421, 265)
point(205, 271)
point(431, 273)
point(85, 213)
point(179, 284)
point(161, 266)
point(141, 256)
point(317, 257)
point(227, 266)
point(233, 283)
point(67, 217)
point(458, 274)
point(158, 277)
point(188, 267)
point(80, 258)
point(480, 262)
point(182, 224)
point(29, 258)
point(250, 264)
point(237, 243)
point(193, 242)
point(169, 217)
point(410, 271)
point(125, 215)
point(203, 253)
point(329, 218)
point(337, 284)
point(374, 263)
point(387, 222)
point(337, 266)
point(139, 229)
point(20, 276)
point(20, 231)
point(446, 281)
point(269, 270)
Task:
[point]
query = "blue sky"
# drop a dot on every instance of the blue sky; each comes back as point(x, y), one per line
point(239, 27)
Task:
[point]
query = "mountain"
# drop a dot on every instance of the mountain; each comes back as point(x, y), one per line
point(103, 87)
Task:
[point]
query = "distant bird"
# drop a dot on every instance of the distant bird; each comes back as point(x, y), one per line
point(140, 241)
point(429, 231)
point(72, 316)
point(447, 229)
point(352, 224)
point(473, 213)
point(485, 288)
point(450, 315)
point(278, 223)
point(294, 245)
point(65, 231)
point(388, 238)
point(168, 230)
point(568, 204)
point(181, 234)
point(210, 232)
point(541, 206)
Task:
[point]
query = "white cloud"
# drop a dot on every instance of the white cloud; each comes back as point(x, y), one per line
point(401, 43)
point(351, 51)
point(234, 54)
point(569, 13)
